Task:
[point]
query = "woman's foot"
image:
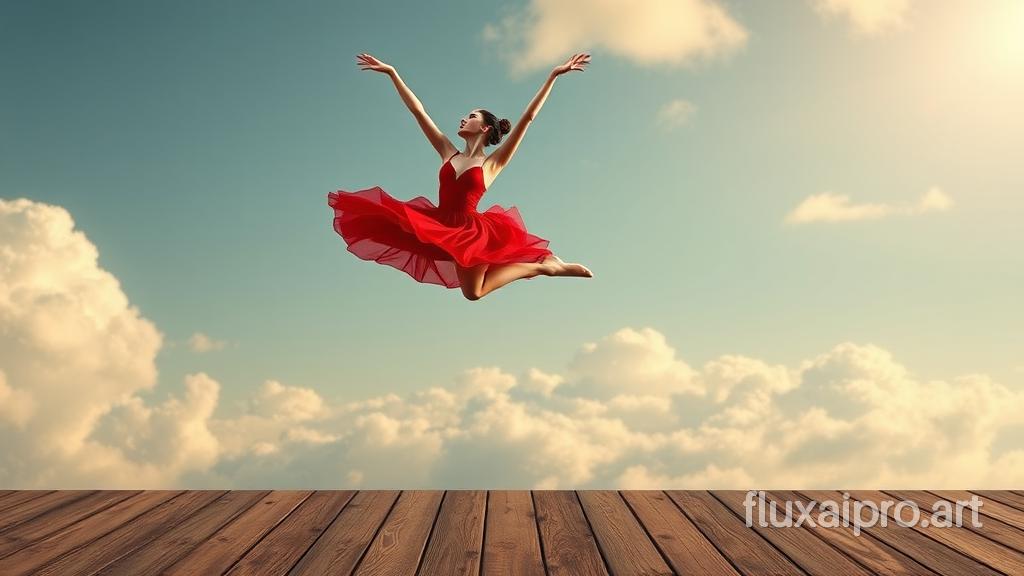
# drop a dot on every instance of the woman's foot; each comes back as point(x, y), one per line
point(556, 267)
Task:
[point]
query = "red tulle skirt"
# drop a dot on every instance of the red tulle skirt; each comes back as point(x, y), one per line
point(425, 241)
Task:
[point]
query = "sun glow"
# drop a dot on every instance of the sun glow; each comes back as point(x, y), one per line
point(1005, 31)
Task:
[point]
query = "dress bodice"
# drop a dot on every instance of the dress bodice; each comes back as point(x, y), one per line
point(431, 242)
point(462, 192)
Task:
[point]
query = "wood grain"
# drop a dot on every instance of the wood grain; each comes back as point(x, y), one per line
point(566, 538)
point(226, 546)
point(341, 546)
point(625, 545)
point(745, 548)
point(494, 533)
point(399, 545)
point(922, 548)
point(175, 543)
point(511, 540)
point(457, 541)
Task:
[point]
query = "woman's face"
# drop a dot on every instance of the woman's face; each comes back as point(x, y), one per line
point(472, 123)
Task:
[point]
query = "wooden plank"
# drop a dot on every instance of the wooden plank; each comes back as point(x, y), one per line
point(989, 507)
point(399, 545)
point(1003, 496)
point(990, 527)
point(958, 538)
point(872, 553)
point(680, 542)
point(57, 519)
point(932, 554)
point(511, 540)
point(21, 497)
point(30, 558)
point(745, 548)
point(174, 544)
point(568, 543)
point(457, 540)
point(624, 543)
point(1007, 497)
point(343, 542)
point(227, 545)
point(28, 510)
point(284, 545)
point(797, 542)
point(130, 535)
point(115, 533)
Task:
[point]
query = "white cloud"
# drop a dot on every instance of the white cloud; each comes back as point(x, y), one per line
point(290, 403)
point(866, 16)
point(849, 416)
point(626, 412)
point(676, 113)
point(169, 439)
point(200, 342)
point(628, 362)
point(647, 32)
point(540, 382)
point(831, 207)
point(71, 349)
point(16, 406)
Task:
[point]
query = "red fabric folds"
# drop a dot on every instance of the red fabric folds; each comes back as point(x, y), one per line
point(427, 241)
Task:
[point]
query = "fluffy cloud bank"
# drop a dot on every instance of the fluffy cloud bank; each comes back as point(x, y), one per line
point(647, 32)
point(625, 412)
point(830, 207)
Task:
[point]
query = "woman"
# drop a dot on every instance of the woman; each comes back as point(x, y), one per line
point(452, 244)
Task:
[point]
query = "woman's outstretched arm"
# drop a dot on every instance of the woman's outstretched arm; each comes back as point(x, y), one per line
point(503, 155)
point(437, 139)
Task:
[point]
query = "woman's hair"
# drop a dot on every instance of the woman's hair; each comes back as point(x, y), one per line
point(498, 127)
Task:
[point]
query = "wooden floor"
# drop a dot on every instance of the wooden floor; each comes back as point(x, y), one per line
point(484, 532)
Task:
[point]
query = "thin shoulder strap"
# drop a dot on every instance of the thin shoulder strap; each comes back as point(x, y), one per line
point(453, 156)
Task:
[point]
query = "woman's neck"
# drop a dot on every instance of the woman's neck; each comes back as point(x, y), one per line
point(475, 150)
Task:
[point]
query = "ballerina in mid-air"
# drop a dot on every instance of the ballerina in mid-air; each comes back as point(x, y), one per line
point(452, 244)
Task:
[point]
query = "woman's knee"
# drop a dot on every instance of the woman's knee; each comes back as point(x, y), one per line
point(471, 293)
point(472, 280)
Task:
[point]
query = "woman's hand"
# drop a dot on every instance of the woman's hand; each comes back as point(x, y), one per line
point(577, 62)
point(370, 63)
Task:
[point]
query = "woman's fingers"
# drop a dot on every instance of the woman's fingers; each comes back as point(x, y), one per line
point(577, 61)
point(368, 62)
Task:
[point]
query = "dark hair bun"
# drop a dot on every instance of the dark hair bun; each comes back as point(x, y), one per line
point(504, 125)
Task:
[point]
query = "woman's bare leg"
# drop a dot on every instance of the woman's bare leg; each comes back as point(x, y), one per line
point(501, 274)
point(478, 281)
point(471, 280)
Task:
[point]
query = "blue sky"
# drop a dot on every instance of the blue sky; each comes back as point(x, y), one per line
point(194, 143)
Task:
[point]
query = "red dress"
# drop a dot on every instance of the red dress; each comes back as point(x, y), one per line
point(427, 241)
